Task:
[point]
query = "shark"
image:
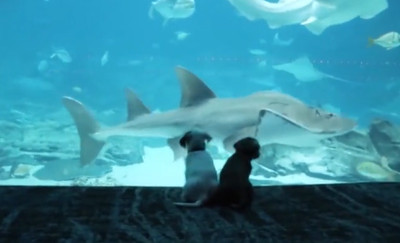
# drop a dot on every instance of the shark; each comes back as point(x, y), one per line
point(269, 116)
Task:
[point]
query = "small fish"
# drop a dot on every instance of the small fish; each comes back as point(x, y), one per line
point(279, 42)
point(389, 40)
point(77, 89)
point(257, 52)
point(134, 62)
point(108, 112)
point(181, 35)
point(170, 9)
point(262, 41)
point(62, 54)
point(262, 64)
point(104, 59)
point(43, 65)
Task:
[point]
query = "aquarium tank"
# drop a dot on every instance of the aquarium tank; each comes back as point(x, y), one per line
point(100, 93)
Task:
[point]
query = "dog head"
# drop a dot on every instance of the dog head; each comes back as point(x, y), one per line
point(248, 146)
point(195, 140)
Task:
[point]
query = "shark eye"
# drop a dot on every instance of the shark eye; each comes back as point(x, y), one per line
point(330, 115)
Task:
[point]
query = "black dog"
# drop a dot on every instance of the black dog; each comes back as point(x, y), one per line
point(235, 189)
point(200, 174)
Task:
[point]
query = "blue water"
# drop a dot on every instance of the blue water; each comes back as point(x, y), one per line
point(217, 50)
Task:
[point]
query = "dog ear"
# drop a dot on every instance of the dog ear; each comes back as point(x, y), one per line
point(184, 139)
point(248, 146)
point(239, 145)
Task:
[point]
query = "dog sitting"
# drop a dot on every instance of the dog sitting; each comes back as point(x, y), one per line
point(201, 179)
point(234, 189)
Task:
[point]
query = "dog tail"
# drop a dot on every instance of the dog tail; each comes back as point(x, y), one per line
point(203, 201)
point(196, 204)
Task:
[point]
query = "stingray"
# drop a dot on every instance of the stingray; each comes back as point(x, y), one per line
point(303, 70)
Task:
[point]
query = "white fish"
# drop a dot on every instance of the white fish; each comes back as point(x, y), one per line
point(389, 40)
point(77, 89)
point(303, 70)
point(62, 54)
point(262, 64)
point(104, 58)
point(172, 9)
point(257, 52)
point(43, 65)
point(181, 35)
point(315, 15)
point(279, 42)
point(135, 62)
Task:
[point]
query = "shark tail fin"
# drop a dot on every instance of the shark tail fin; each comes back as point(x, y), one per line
point(371, 41)
point(86, 126)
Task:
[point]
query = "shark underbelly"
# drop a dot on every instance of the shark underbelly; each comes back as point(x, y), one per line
point(164, 125)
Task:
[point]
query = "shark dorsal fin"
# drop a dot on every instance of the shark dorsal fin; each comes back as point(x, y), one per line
point(194, 90)
point(135, 105)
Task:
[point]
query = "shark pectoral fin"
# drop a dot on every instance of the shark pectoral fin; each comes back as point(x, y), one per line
point(194, 90)
point(86, 126)
point(267, 124)
point(310, 20)
point(176, 148)
point(135, 106)
point(242, 133)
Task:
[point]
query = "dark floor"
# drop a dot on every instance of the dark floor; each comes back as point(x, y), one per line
point(326, 213)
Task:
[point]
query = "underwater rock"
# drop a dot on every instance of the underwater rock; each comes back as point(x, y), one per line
point(357, 140)
point(329, 163)
point(86, 181)
point(386, 138)
point(16, 158)
point(4, 150)
point(374, 171)
point(71, 169)
point(20, 171)
point(39, 148)
point(4, 175)
point(10, 132)
point(125, 151)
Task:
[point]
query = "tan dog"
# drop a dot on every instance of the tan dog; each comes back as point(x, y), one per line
point(200, 174)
